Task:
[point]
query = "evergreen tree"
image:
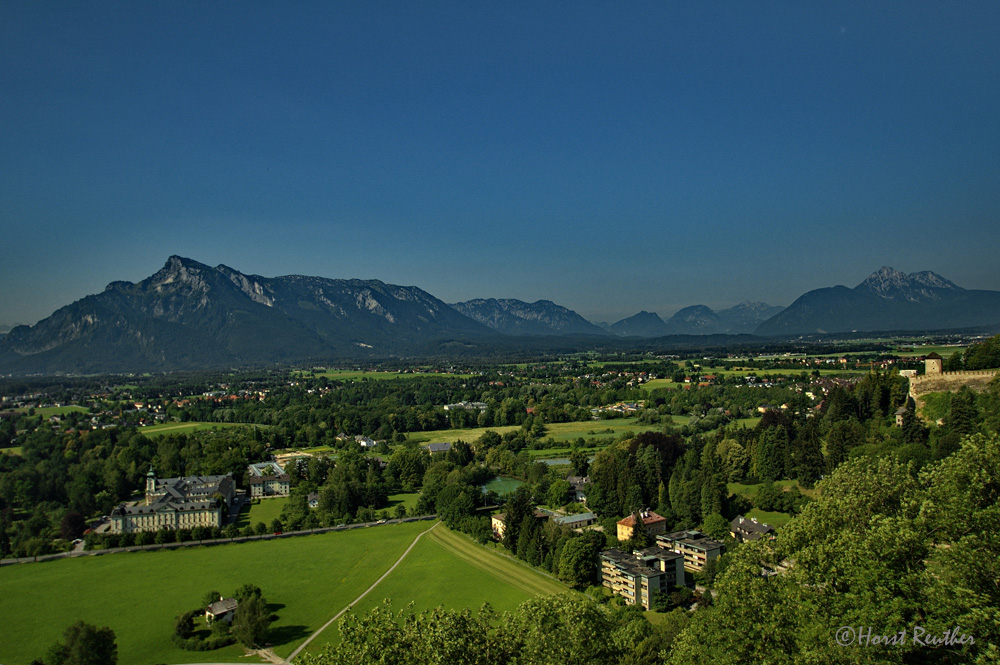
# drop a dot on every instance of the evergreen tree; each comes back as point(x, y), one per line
point(640, 534)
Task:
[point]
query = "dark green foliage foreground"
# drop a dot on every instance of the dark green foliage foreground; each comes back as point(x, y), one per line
point(565, 629)
point(883, 549)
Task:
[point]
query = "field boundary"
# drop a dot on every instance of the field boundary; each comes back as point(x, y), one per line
point(450, 541)
point(211, 542)
point(359, 598)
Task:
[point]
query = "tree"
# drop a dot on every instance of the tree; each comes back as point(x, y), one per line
point(251, 621)
point(640, 534)
point(558, 493)
point(882, 547)
point(578, 563)
point(716, 526)
point(72, 526)
point(580, 462)
point(85, 644)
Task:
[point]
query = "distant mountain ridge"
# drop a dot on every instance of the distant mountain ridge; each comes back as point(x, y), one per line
point(516, 317)
point(189, 314)
point(888, 299)
point(697, 320)
point(643, 324)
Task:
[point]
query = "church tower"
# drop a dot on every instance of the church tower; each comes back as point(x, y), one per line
point(150, 484)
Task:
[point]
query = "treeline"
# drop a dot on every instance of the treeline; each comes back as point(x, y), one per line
point(573, 630)
point(685, 479)
point(59, 480)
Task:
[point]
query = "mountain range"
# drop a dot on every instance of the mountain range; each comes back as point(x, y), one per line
point(189, 315)
point(516, 317)
point(887, 300)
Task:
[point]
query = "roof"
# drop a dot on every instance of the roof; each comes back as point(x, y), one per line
point(648, 517)
point(438, 447)
point(750, 528)
point(265, 469)
point(573, 519)
point(637, 564)
point(222, 606)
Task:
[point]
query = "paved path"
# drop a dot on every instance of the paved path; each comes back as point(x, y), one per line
point(366, 592)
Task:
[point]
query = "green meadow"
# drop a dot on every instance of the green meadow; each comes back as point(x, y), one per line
point(750, 491)
point(188, 427)
point(307, 579)
point(407, 499)
point(448, 569)
point(920, 351)
point(589, 429)
point(265, 511)
point(777, 520)
point(352, 375)
point(49, 411)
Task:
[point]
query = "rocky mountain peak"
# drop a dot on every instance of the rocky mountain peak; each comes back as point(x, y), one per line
point(890, 283)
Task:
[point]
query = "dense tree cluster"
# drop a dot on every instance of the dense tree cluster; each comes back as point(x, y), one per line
point(83, 644)
point(884, 548)
point(559, 629)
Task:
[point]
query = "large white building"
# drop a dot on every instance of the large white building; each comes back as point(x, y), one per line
point(177, 503)
point(268, 479)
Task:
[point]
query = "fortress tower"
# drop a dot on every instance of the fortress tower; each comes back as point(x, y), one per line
point(933, 364)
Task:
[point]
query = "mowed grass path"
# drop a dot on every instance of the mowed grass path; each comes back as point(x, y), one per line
point(309, 579)
point(448, 569)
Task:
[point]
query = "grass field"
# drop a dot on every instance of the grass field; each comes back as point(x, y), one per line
point(265, 512)
point(408, 499)
point(351, 375)
point(749, 491)
point(307, 579)
point(14, 450)
point(935, 406)
point(777, 520)
point(49, 411)
point(590, 429)
point(920, 351)
point(473, 574)
point(188, 427)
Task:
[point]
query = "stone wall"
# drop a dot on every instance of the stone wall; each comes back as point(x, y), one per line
point(949, 382)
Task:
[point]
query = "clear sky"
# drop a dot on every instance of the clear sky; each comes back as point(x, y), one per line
point(610, 157)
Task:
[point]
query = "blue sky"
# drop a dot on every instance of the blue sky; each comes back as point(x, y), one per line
point(608, 158)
